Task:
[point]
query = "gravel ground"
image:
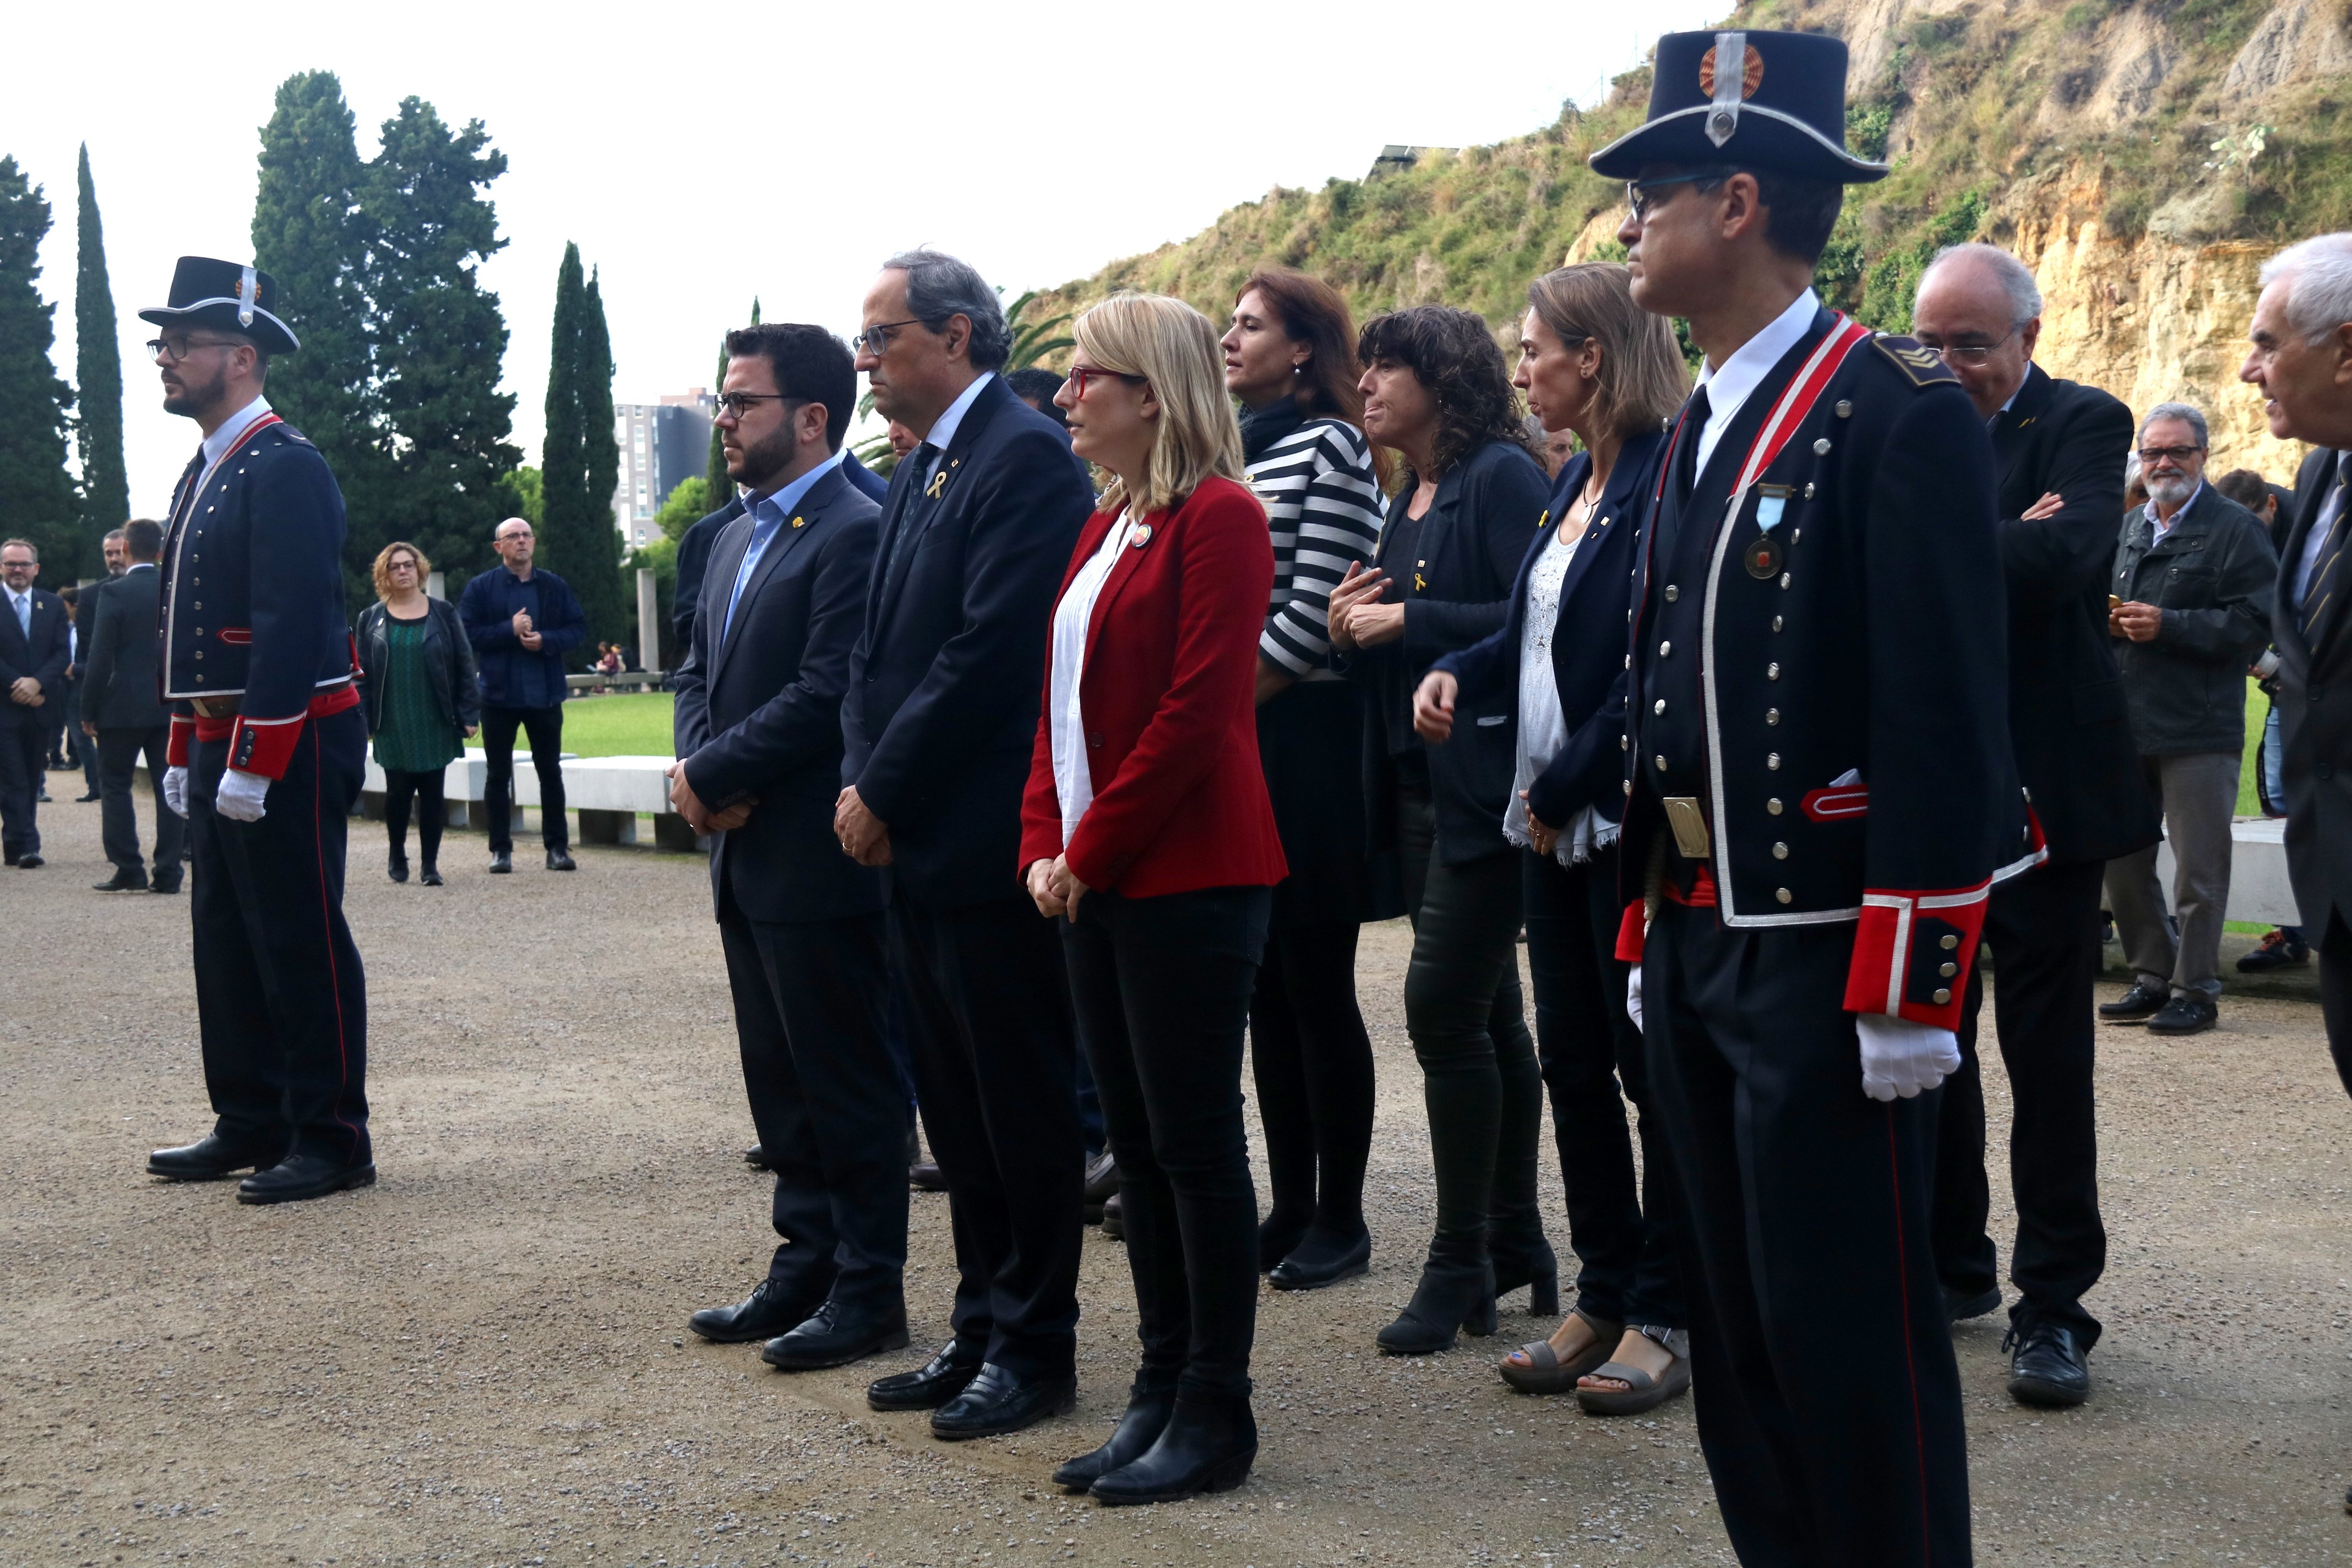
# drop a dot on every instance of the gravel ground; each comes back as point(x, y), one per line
point(482, 1360)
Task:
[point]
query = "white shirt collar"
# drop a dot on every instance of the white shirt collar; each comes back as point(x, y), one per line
point(943, 429)
point(222, 439)
point(1728, 386)
point(139, 566)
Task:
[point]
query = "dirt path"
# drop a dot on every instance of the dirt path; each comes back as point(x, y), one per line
point(482, 1360)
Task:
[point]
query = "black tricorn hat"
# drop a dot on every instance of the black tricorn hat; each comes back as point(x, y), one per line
point(222, 294)
point(1758, 100)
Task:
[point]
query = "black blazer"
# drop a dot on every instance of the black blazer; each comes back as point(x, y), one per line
point(759, 707)
point(448, 664)
point(44, 656)
point(120, 685)
point(1588, 647)
point(2315, 707)
point(693, 562)
point(1473, 538)
point(944, 684)
point(2067, 719)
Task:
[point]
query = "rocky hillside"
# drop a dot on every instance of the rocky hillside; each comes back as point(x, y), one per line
point(2142, 155)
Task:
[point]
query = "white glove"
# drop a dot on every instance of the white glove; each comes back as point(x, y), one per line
point(175, 790)
point(1900, 1057)
point(1633, 997)
point(240, 795)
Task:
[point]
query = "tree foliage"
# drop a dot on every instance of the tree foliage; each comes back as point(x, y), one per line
point(37, 494)
point(580, 460)
point(716, 479)
point(98, 371)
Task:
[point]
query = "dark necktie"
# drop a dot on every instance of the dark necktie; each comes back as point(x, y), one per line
point(917, 507)
point(2326, 572)
point(1694, 419)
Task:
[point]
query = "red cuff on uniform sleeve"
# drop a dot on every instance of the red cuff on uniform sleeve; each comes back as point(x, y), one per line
point(175, 750)
point(264, 747)
point(1912, 953)
point(1630, 932)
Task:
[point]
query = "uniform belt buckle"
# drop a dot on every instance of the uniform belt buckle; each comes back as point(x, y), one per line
point(1689, 824)
point(214, 707)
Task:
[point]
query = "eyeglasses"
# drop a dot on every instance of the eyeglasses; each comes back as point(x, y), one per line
point(876, 338)
point(181, 347)
point(1082, 374)
point(510, 538)
point(739, 404)
point(1639, 194)
point(2151, 455)
point(1970, 354)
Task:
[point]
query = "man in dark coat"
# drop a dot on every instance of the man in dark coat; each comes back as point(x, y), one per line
point(522, 619)
point(937, 727)
point(2060, 449)
point(694, 547)
point(35, 651)
point(124, 718)
point(759, 739)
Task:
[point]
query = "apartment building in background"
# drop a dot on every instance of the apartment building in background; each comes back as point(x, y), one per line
point(662, 444)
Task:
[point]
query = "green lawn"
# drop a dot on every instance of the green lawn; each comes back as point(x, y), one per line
point(618, 724)
point(2258, 708)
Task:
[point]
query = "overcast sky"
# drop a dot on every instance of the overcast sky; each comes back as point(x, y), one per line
point(701, 154)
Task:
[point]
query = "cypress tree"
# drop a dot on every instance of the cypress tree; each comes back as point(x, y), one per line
point(98, 367)
point(563, 458)
point(716, 484)
point(37, 494)
point(610, 609)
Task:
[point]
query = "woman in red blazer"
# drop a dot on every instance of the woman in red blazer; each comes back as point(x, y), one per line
point(1148, 828)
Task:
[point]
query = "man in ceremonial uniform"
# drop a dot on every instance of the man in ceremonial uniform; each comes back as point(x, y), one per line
point(1820, 798)
point(267, 752)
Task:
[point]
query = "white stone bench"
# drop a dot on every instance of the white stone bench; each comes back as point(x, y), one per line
point(609, 794)
point(2259, 889)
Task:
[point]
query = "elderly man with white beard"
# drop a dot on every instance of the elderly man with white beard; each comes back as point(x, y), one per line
point(2193, 576)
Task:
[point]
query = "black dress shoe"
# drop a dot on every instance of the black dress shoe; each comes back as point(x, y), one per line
point(165, 885)
point(2184, 1016)
point(398, 867)
point(1958, 1307)
point(212, 1157)
point(756, 1157)
point(2048, 1369)
point(771, 1308)
point(501, 863)
point(1323, 1258)
point(122, 882)
point(562, 860)
point(925, 1176)
point(1209, 1444)
point(430, 876)
point(1278, 1236)
point(1114, 1219)
point(1102, 1181)
point(300, 1177)
point(1146, 1417)
point(30, 860)
point(2135, 1005)
point(938, 1379)
point(1001, 1400)
point(86, 799)
point(835, 1335)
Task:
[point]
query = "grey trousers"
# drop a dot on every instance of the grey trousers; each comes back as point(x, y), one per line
point(2198, 791)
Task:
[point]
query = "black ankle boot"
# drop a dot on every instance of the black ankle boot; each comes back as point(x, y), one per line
point(1324, 1256)
point(398, 865)
point(1450, 1296)
point(1148, 1411)
point(1534, 1266)
point(1277, 1233)
point(1208, 1446)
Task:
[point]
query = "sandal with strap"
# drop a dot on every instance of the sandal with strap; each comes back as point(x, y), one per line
point(1642, 1391)
point(1547, 1374)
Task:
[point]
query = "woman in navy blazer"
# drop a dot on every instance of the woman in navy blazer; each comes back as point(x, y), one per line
point(1146, 826)
point(1594, 362)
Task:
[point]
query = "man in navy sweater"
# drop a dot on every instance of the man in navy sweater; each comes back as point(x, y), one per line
point(521, 620)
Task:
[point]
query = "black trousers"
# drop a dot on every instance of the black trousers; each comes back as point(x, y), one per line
point(1312, 1061)
point(1161, 990)
point(809, 1000)
point(1464, 1008)
point(428, 790)
point(80, 750)
point(987, 1025)
point(119, 753)
point(1625, 1235)
point(280, 996)
point(545, 728)
point(2044, 930)
point(1828, 1400)
point(24, 763)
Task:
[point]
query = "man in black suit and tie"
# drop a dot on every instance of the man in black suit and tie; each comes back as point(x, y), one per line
point(939, 724)
point(122, 712)
point(758, 742)
point(34, 654)
point(694, 547)
point(2060, 448)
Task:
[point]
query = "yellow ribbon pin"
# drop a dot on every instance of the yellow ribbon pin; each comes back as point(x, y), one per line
point(798, 521)
point(939, 483)
point(1543, 520)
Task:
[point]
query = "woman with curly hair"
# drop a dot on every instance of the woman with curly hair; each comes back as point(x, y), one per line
point(1436, 392)
point(417, 681)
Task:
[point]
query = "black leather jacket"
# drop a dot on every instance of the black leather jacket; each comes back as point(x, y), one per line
point(2213, 576)
point(448, 665)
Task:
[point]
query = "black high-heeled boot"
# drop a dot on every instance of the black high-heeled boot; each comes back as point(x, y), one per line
point(1532, 1266)
point(1148, 1411)
point(1451, 1296)
point(1208, 1446)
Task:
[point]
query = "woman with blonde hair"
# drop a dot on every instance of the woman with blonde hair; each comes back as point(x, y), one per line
point(1146, 827)
point(422, 701)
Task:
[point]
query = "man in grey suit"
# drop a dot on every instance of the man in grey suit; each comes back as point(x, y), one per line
point(121, 709)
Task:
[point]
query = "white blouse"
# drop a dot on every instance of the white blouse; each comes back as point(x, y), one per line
point(1543, 729)
point(1074, 779)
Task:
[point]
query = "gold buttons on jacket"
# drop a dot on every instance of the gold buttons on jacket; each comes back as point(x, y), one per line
point(1785, 896)
point(1948, 970)
point(1950, 941)
point(1943, 994)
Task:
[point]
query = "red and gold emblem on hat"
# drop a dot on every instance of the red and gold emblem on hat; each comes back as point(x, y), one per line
point(1751, 74)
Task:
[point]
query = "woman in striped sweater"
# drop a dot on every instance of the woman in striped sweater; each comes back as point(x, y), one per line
point(1290, 359)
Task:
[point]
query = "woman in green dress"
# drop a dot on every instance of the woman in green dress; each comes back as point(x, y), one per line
point(423, 702)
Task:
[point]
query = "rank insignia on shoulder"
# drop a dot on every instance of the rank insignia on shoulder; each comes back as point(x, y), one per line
point(1923, 365)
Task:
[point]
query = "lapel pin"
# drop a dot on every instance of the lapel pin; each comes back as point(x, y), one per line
point(1542, 521)
point(1142, 535)
point(798, 521)
point(939, 483)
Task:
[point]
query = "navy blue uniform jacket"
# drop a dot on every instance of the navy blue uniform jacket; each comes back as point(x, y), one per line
point(1588, 645)
point(512, 675)
point(944, 685)
point(759, 708)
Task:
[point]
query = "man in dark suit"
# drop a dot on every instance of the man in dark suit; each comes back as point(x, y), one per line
point(34, 654)
point(694, 546)
point(939, 724)
point(122, 715)
point(759, 739)
point(2059, 447)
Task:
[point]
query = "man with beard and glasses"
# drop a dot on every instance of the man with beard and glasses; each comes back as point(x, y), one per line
point(266, 754)
point(2193, 571)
